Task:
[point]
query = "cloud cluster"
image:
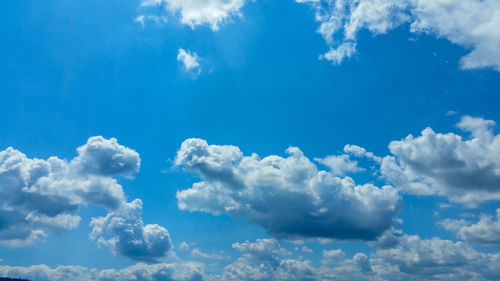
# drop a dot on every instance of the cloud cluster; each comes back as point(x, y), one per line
point(199, 12)
point(266, 251)
point(472, 24)
point(140, 271)
point(412, 258)
point(263, 260)
point(40, 197)
point(466, 171)
point(289, 197)
point(485, 231)
point(418, 259)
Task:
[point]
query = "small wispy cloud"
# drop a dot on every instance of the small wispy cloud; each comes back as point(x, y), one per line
point(189, 62)
point(199, 254)
point(142, 19)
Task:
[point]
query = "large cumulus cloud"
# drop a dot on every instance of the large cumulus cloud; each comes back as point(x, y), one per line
point(41, 197)
point(288, 196)
point(465, 170)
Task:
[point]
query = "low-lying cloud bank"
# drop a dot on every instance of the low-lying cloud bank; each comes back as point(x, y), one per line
point(140, 271)
point(410, 258)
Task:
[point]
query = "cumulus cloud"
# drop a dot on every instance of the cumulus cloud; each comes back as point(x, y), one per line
point(288, 196)
point(189, 62)
point(485, 231)
point(184, 246)
point(197, 253)
point(106, 157)
point(263, 260)
point(361, 152)
point(340, 164)
point(305, 249)
point(411, 258)
point(362, 261)
point(267, 251)
point(41, 197)
point(333, 254)
point(132, 238)
point(430, 259)
point(200, 12)
point(471, 24)
point(464, 170)
point(140, 271)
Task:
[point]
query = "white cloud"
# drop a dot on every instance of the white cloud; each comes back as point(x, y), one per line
point(106, 157)
point(466, 171)
point(340, 164)
point(305, 249)
point(333, 254)
point(472, 24)
point(362, 262)
point(189, 62)
point(140, 271)
point(263, 260)
point(41, 197)
point(412, 258)
point(289, 197)
point(361, 152)
point(485, 231)
point(132, 238)
point(184, 246)
point(434, 258)
point(197, 253)
point(267, 251)
point(200, 12)
point(141, 19)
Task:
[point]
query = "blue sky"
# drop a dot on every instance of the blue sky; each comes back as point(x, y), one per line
point(169, 84)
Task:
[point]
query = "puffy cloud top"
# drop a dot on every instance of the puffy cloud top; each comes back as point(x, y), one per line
point(289, 197)
point(133, 239)
point(466, 171)
point(106, 157)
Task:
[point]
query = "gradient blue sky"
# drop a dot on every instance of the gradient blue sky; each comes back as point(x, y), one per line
point(75, 69)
